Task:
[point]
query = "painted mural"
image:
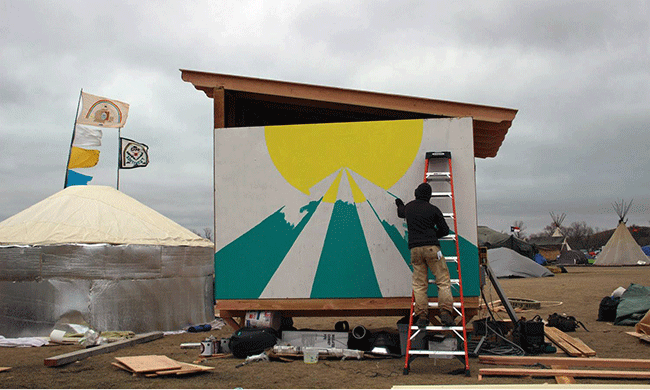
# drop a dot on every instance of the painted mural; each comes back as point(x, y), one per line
point(308, 211)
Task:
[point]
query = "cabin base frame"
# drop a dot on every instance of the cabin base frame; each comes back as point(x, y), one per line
point(233, 311)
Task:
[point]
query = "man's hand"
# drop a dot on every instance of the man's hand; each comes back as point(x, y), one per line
point(399, 202)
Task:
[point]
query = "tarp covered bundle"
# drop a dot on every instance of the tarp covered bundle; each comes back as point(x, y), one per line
point(506, 263)
point(634, 304)
point(96, 251)
point(492, 239)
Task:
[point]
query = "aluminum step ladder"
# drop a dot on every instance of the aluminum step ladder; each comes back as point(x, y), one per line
point(460, 330)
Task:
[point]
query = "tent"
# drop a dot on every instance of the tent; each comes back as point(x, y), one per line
point(506, 263)
point(621, 249)
point(492, 239)
point(95, 251)
point(572, 257)
point(646, 250)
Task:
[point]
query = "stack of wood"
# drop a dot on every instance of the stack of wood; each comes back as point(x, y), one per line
point(559, 367)
point(571, 345)
point(155, 365)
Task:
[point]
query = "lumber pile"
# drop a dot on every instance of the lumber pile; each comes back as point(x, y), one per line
point(66, 358)
point(155, 365)
point(568, 370)
point(571, 345)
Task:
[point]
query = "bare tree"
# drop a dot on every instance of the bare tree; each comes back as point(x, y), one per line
point(521, 226)
point(207, 233)
point(579, 234)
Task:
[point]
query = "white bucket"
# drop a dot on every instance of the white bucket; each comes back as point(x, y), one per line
point(310, 355)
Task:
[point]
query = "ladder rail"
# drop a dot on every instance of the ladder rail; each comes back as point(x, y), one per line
point(460, 278)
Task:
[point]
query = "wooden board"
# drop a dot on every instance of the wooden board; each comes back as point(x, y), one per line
point(185, 368)
point(563, 379)
point(568, 344)
point(570, 373)
point(640, 336)
point(567, 362)
point(148, 363)
point(642, 328)
point(66, 358)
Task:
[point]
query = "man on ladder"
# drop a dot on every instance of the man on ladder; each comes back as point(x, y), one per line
point(426, 224)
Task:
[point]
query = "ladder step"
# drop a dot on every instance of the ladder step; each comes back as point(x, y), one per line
point(429, 155)
point(435, 304)
point(438, 176)
point(441, 194)
point(439, 328)
point(429, 352)
point(453, 281)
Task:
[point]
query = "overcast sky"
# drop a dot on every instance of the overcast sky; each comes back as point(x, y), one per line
point(577, 71)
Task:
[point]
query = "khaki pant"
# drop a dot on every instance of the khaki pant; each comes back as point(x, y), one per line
point(424, 257)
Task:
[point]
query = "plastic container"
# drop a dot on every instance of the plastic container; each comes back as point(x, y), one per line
point(310, 355)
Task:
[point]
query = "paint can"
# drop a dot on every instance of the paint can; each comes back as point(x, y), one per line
point(207, 347)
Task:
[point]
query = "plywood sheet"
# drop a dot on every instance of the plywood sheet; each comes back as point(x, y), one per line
point(148, 363)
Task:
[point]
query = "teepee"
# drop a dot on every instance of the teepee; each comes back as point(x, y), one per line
point(558, 219)
point(621, 249)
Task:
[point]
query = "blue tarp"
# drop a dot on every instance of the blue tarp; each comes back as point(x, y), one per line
point(539, 259)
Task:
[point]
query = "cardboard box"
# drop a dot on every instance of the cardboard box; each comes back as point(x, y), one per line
point(317, 339)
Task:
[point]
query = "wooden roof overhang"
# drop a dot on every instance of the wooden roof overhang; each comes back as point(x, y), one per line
point(245, 102)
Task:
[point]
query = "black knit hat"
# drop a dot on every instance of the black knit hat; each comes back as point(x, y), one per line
point(423, 192)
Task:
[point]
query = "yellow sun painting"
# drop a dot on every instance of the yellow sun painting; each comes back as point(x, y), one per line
point(306, 154)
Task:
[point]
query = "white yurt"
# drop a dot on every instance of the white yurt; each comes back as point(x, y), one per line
point(96, 251)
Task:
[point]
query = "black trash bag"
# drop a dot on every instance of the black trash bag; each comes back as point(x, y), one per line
point(252, 341)
point(607, 308)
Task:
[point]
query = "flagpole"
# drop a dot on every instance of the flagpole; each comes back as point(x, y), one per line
point(119, 155)
point(74, 128)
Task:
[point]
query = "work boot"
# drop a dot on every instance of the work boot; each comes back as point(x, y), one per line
point(422, 322)
point(446, 318)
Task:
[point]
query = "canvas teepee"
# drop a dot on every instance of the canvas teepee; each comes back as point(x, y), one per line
point(621, 249)
point(558, 219)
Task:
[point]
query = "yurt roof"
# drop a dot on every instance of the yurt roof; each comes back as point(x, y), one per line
point(94, 214)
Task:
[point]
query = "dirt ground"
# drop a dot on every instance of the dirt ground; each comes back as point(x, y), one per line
point(576, 293)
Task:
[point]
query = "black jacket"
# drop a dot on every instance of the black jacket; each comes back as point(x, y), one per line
point(424, 221)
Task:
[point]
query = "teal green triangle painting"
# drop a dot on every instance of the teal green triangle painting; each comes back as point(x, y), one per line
point(345, 268)
point(245, 266)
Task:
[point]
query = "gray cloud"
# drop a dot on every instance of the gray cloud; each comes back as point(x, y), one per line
point(576, 71)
